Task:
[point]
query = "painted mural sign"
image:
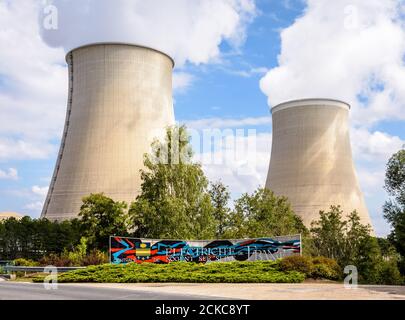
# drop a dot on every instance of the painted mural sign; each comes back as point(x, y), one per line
point(126, 250)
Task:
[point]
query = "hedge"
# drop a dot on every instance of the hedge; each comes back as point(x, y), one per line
point(184, 272)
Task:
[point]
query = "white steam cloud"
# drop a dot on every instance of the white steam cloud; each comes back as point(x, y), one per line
point(346, 49)
point(187, 30)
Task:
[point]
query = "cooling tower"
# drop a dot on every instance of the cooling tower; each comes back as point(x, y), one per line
point(120, 99)
point(311, 159)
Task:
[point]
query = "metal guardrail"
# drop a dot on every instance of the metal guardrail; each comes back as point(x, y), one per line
point(6, 263)
point(38, 269)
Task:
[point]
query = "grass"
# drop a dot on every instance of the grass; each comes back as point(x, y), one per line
point(183, 272)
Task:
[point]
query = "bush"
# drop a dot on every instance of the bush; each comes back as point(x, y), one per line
point(74, 259)
point(325, 268)
point(78, 254)
point(401, 265)
point(230, 272)
point(95, 257)
point(389, 274)
point(301, 264)
point(316, 268)
point(56, 260)
point(25, 263)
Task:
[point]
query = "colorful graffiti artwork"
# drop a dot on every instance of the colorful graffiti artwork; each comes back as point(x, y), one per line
point(125, 250)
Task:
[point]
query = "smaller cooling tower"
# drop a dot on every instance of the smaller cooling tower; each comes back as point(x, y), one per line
point(311, 159)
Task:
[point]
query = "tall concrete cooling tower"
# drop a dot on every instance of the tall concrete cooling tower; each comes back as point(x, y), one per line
point(311, 159)
point(120, 98)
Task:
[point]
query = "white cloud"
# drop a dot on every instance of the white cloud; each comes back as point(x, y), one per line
point(37, 196)
point(10, 174)
point(348, 49)
point(372, 151)
point(374, 146)
point(40, 191)
point(26, 148)
point(34, 206)
point(182, 81)
point(371, 181)
point(33, 76)
point(33, 85)
point(253, 71)
point(187, 30)
point(240, 160)
point(30, 199)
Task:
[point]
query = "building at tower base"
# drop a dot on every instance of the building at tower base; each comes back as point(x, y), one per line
point(311, 158)
point(120, 99)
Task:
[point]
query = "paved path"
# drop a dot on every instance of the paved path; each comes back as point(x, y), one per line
point(31, 291)
point(304, 291)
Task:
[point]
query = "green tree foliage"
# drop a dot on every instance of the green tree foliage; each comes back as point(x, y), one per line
point(263, 214)
point(175, 201)
point(394, 208)
point(328, 234)
point(395, 174)
point(220, 197)
point(33, 238)
point(79, 253)
point(350, 243)
point(102, 217)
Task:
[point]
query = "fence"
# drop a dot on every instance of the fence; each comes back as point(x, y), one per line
point(38, 269)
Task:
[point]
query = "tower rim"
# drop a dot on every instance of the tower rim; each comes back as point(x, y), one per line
point(310, 101)
point(94, 44)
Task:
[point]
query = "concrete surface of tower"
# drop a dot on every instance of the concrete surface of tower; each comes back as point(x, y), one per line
point(120, 99)
point(311, 159)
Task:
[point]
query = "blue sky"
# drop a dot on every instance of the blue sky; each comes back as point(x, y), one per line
point(233, 88)
point(252, 55)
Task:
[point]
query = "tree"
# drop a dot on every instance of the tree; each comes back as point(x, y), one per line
point(220, 197)
point(350, 243)
point(174, 201)
point(263, 214)
point(33, 238)
point(328, 234)
point(395, 174)
point(394, 208)
point(102, 217)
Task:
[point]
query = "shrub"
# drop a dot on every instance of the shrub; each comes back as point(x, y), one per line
point(301, 264)
point(94, 258)
point(389, 273)
point(25, 263)
point(316, 268)
point(325, 268)
point(78, 254)
point(77, 257)
point(230, 272)
point(73, 259)
point(56, 260)
point(401, 265)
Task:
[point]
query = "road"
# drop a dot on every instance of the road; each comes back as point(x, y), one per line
point(190, 291)
point(31, 291)
point(268, 291)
